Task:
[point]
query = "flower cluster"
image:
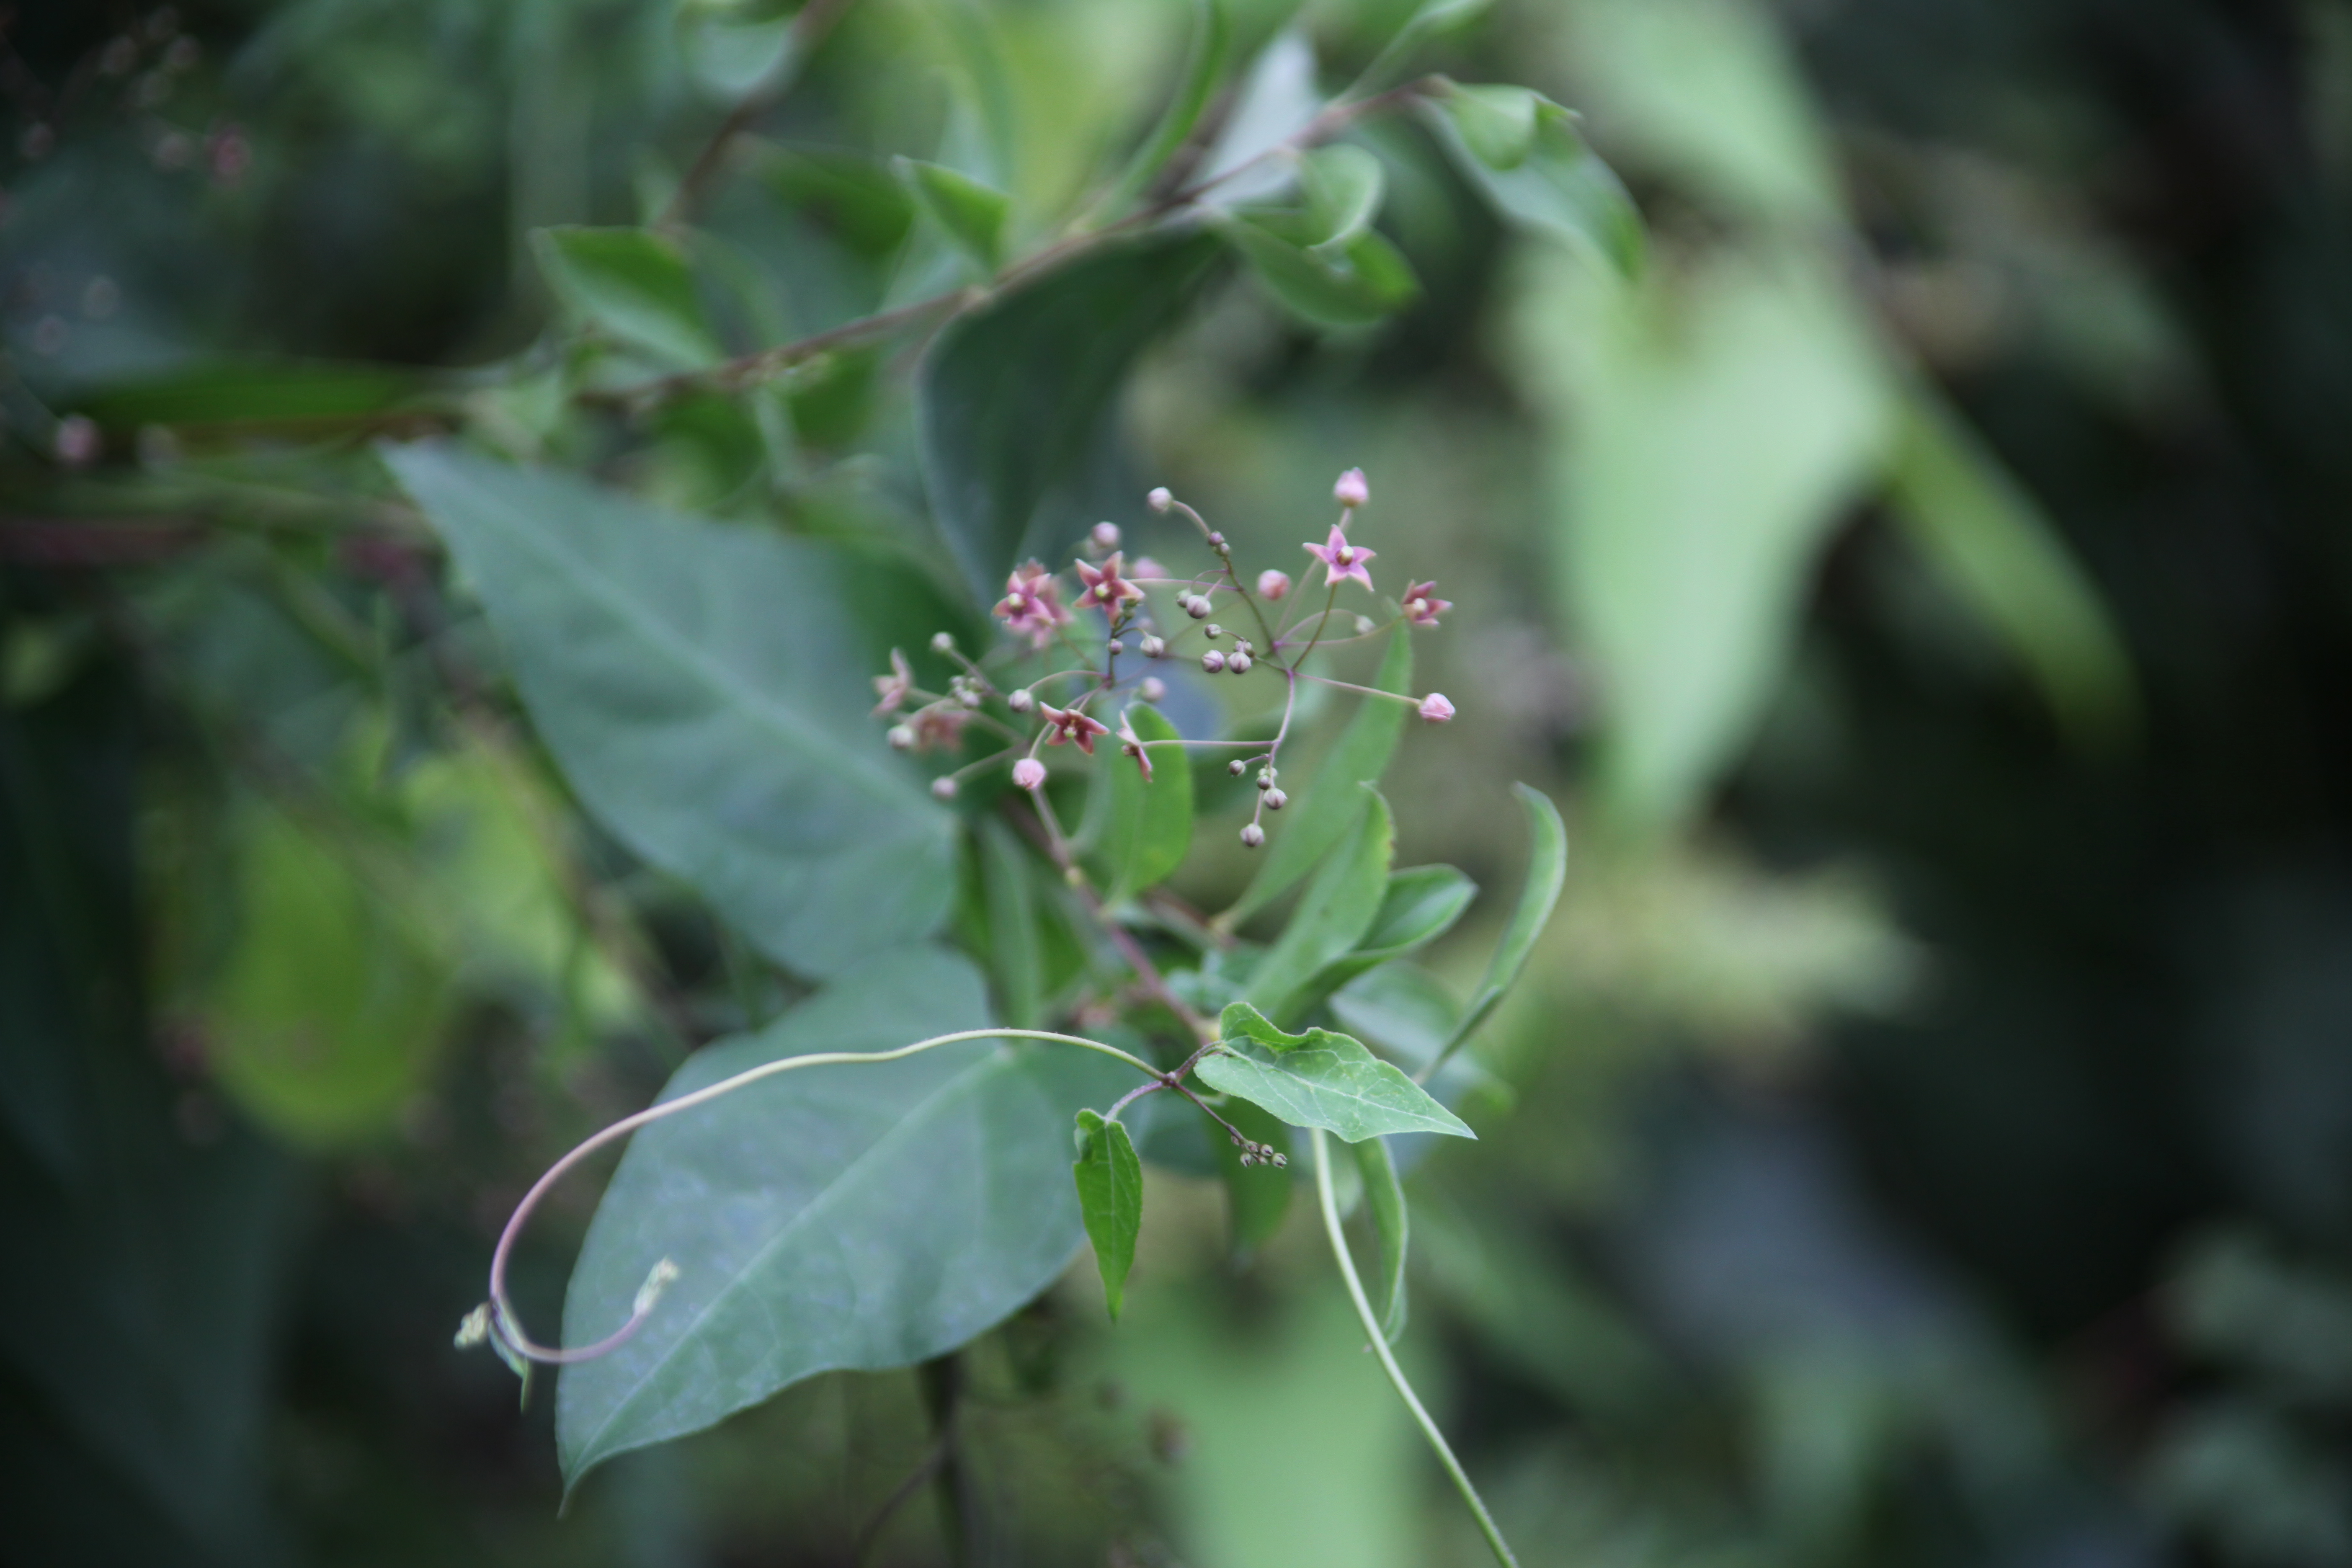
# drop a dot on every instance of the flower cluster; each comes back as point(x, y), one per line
point(1072, 651)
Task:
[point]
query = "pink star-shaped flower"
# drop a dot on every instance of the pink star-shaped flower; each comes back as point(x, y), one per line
point(1105, 589)
point(1073, 726)
point(1421, 605)
point(1132, 745)
point(892, 688)
point(1341, 559)
point(1033, 603)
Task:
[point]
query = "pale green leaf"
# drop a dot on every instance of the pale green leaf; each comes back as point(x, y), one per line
point(1277, 99)
point(1146, 827)
point(634, 287)
point(1324, 811)
point(1337, 908)
point(1331, 1083)
point(1204, 66)
point(1497, 123)
point(972, 213)
point(2004, 560)
point(1384, 1201)
point(857, 1217)
point(1111, 1199)
point(1356, 283)
point(1547, 875)
point(1015, 960)
point(721, 739)
point(1343, 186)
point(1419, 905)
point(1522, 150)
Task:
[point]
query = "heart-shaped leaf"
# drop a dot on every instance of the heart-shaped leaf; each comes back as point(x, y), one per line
point(853, 1216)
point(694, 681)
point(1331, 1083)
point(1111, 1199)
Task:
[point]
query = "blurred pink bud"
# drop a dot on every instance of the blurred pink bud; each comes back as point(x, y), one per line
point(1161, 498)
point(1352, 491)
point(943, 789)
point(77, 441)
point(1435, 707)
point(1251, 835)
point(1153, 690)
point(1029, 773)
point(1213, 662)
point(1272, 585)
point(1105, 536)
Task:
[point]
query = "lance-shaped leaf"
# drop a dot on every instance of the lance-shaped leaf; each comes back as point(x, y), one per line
point(634, 286)
point(1422, 903)
point(1145, 828)
point(1111, 1199)
point(1204, 66)
point(855, 1215)
point(1331, 1082)
point(1384, 1201)
point(1522, 150)
point(1013, 396)
point(1337, 908)
point(1324, 811)
point(971, 213)
point(1352, 282)
point(696, 684)
point(1547, 874)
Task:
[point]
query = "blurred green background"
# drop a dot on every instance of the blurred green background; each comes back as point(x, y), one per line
point(1926, 1136)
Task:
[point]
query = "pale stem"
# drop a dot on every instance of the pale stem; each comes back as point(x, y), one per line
point(1380, 1345)
point(1367, 691)
point(509, 1329)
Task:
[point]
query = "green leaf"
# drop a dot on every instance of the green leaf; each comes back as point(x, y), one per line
point(1522, 150)
point(1204, 64)
point(1495, 123)
point(632, 286)
point(1111, 1199)
point(2006, 561)
point(1147, 828)
point(1331, 1083)
point(972, 213)
point(1422, 903)
point(1354, 284)
point(1343, 186)
point(1011, 936)
point(1240, 1021)
point(847, 1217)
point(244, 392)
point(1014, 395)
point(1402, 1010)
point(1384, 1201)
point(1547, 875)
point(1430, 18)
point(859, 200)
point(1277, 99)
point(1337, 908)
point(1326, 809)
point(695, 684)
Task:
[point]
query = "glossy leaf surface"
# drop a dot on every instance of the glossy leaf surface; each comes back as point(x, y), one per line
point(1332, 1082)
point(1013, 395)
point(1324, 811)
point(722, 741)
point(1110, 1200)
point(839, 1216)
point(1419, 905)
point(1337, 908)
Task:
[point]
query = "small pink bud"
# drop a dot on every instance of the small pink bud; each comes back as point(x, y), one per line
point(1275, 800)
point(1352, 491)
point(1152, 647)
point(1213, 662)
point(1251, 835)
point(942, 643)
point(943, 789)
point(1197, 607)
point(1237, 767)
point(1161, 498)
point(1021, 702)
point(1145, 566)
point(77, 441)
point(1105, 536)
point(1029, 773)
point(1272, 585)
point(1435, 707)
point(1239, 664)
point(1153, 690)
point(902, 737)
point(1213, 631)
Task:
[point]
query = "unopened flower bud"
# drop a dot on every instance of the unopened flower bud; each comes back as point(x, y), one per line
point(1161, 498)
point(1364, 627)
point(1115, 648)
point(1350, 492)
point(902, 736)
point(1265, 777)
point(1251, 835)
point(1435, 707)
point(1020, 702)
point(1029, 773)
point(1237, 767)
point(942, 643)
point(1105, 536)
point(970, 694)
point(1153, 647)
point(1272, 585)
point(1217, 543)
point(943, 789)
point(1197, 606)
point(1213, 662)
point(1213, 631)
point(76, 441)
point(1239, 664)
point(1275, 800)
point(1153, 689)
